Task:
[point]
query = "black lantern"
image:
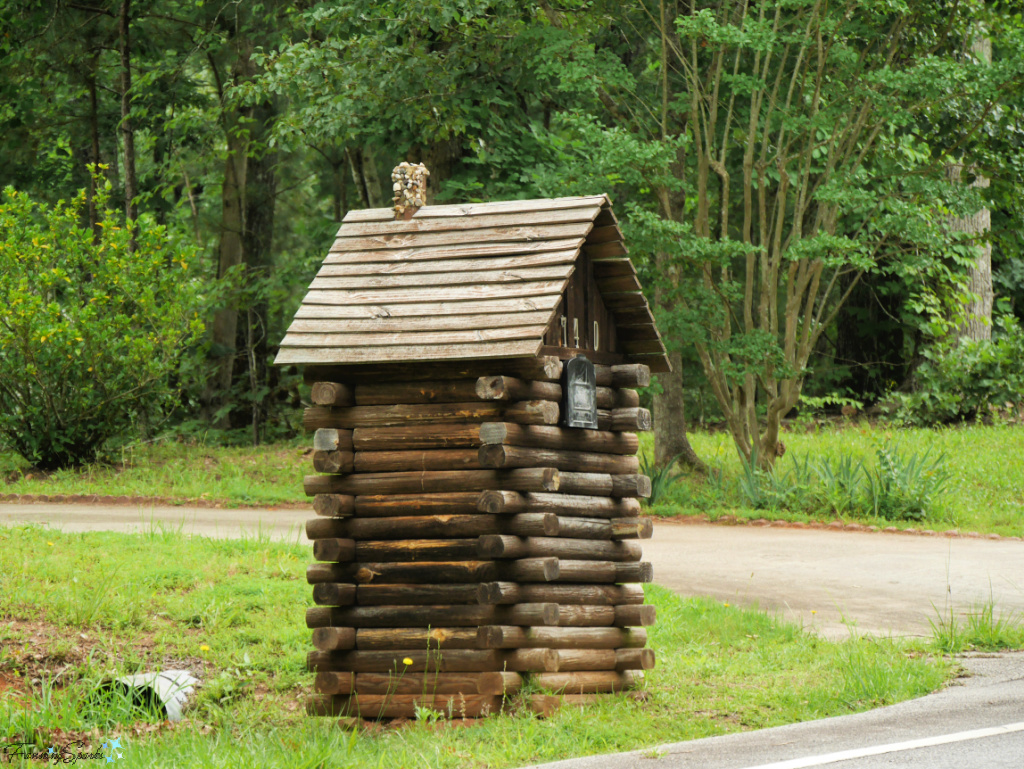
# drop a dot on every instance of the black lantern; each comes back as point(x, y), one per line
point(579, 394)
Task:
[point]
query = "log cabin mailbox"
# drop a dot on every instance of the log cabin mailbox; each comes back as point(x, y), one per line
point(477, 518)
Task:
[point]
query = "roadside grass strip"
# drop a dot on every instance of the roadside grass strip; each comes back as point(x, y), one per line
point(80, 609)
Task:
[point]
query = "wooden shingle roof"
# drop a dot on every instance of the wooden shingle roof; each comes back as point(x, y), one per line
point(465, 282)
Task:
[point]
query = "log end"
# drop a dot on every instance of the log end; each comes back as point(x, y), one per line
point(491, 388)
point(334, 505)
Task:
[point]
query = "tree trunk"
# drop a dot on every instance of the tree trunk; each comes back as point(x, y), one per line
point(131, 210)
point(94, 147)
point(230, 254)
point(257, 239)
point(670, 420)
point(977, 324)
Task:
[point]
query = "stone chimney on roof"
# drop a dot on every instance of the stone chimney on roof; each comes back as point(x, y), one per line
point(409, 182)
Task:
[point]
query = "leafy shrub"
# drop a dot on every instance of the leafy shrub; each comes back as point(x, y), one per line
point(776, 488)
point(903, 486)
point(89, 329)
point(969, 379)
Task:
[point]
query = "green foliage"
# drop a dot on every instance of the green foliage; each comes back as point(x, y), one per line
point(89, 330)
point(900, 485)
point(840, 482)
point(981, 628)
point(967, 379)
point(903, 485)
point(663, 478)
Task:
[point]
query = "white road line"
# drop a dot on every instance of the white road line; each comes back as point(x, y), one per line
point(893, 747)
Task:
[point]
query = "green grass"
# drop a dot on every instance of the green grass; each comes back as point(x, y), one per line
point(267, 475)
point(76, 609)
point(982, 629)
point(985, 491)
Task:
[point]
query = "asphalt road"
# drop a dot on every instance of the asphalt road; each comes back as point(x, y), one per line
point(835, 582)
point(832, 582)
point(977, 724)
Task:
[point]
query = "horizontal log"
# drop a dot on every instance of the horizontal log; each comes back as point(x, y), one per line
point(603, 484)
point(434, 661)
point(330, 439)
point(629, 528)
point(444, 503)
point(441, 616)
point(494, 501)
point(500, 456)
point(333, 461)
point(331, 394)
point(334, 638)
point(507, 546)
point(544, 368)
point(334, 594)
point(334, 505)
point(438, 391)
point(399, 594)
point(638, 615)
point(625, 375)
point(565, 438)
point(605, 659)
point(377, 706)
point(405, 550)
point(397, 639)
point(430, 459)
point(401, 683)
point(635, 616)
point(334, 683)
point(411, 482)
point(625, 420)
point(543, 705)
point(421, 660)
point(586, 616)
point(398, 415)
point(508, 637)
point(411, 437)
point(435, 526)
point(586, 682)
point(503, 388)
point(336, 550)
point(604, 571)
point(564, 595)
point(457, 572)
point(602, 528)
point(531, 413)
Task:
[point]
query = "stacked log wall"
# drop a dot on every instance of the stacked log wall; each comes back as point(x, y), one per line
point(465, 543)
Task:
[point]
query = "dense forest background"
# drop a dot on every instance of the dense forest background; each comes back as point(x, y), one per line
point(823, 198)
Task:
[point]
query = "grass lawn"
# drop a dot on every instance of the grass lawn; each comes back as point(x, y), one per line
point(984, 493)
point(234, 476)
point(76, 609)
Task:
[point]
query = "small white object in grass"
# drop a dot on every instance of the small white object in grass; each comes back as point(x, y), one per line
point(170, 687)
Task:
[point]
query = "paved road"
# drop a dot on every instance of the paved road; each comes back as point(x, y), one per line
point(829, 581)
point(976, 725)
point(836, 582)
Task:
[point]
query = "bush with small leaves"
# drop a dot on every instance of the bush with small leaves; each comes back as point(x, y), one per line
point(91, 326)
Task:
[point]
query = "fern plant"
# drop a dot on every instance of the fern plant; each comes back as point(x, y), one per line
point(904, 485)
point(662, 477)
